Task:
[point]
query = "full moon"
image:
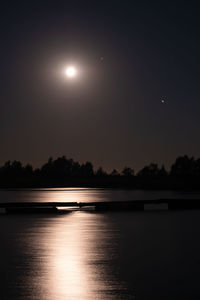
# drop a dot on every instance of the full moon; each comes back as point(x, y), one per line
point(70, 72)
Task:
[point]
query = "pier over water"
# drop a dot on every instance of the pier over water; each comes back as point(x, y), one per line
point(136, 205)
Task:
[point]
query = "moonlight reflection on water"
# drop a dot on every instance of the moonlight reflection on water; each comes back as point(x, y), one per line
point(73, 257)
point(89, 255)
point(78, 246)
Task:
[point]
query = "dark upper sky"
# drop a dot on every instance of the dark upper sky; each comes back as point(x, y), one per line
point(112, 114)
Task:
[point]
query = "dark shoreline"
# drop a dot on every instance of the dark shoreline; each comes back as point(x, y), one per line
point(184, 174)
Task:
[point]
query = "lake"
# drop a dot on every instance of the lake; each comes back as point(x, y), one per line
point(89, 255)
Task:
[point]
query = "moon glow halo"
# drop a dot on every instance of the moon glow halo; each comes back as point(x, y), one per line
point(70, 72)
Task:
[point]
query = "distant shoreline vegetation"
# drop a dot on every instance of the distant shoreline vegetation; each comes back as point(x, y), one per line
point(62, 172)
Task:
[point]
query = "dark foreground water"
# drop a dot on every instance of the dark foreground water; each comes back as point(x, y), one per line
point(87, 255)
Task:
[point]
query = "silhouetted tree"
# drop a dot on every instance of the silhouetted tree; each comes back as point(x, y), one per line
point(100, 173)
point(16, 168)
point(6, 168)
point(114, 173)
point(197, 168)
point(162, 172)
point(59, 168)
point(76, 170)
point(152, 171)
point(28, 170)
point(184, 167)
point(184, 172)
point(87, 170)
point(127, 172)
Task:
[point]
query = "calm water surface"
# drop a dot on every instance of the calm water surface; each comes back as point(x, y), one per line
point(87, 255)
point(88, 195)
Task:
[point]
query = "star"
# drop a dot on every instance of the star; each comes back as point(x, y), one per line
point(163, 99)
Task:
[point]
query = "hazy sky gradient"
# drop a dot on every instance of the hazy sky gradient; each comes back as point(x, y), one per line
point(112, 114)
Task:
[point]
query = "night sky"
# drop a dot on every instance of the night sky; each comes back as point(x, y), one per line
point(135, 99)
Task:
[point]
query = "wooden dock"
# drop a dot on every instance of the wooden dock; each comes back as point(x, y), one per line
point(136, 205)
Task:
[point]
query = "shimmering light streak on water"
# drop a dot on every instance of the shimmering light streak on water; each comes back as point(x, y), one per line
point(102, 256)
point(88, 195)
point(80, 253)
point(72, 256)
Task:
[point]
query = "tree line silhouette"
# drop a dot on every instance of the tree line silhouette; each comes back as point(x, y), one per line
point(63, 172)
